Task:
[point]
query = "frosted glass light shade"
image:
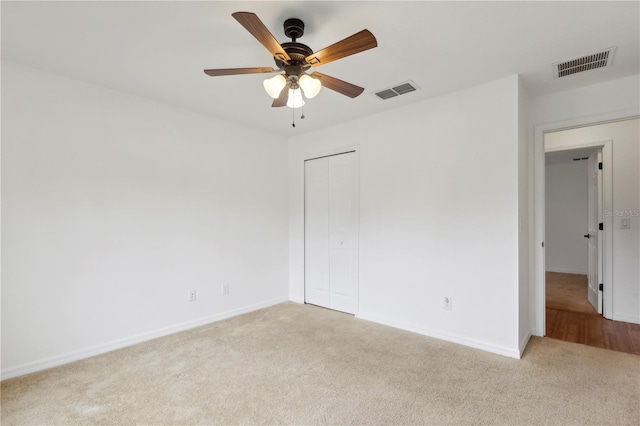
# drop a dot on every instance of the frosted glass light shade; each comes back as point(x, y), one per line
point(295, 98)
point(274, 85)
point(310, 86)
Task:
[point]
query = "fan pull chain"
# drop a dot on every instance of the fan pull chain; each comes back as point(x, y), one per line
point(302, 116)
point(293, 115)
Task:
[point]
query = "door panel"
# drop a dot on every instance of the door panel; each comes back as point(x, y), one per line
point(316, 220)
point(331, 246)
point(594, 216)
point(342, 296)
point(342, 232)
point(340, 273)
point(317, 269)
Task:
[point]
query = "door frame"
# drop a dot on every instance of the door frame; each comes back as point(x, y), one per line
point(355, 149)
point(538, 276)
point(596, 208)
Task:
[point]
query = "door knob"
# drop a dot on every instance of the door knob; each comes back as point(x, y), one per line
point(587, 236)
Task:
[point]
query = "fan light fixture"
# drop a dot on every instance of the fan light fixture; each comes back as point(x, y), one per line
point(295, 98)
point(274, 85)
point(293, 59)
point(310, 88)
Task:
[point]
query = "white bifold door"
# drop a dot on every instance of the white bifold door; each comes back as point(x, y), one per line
point(331, 232)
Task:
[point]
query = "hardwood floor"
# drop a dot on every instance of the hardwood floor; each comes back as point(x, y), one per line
point(569, 319)
point(593, 330)
point(568, 292)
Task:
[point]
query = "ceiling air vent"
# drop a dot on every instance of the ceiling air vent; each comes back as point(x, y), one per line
point(400, 89)
point(403, 88)
point(386, 94)
point(585, 63)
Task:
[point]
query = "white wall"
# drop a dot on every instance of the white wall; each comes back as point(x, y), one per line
point(439, 188)
point(625, 136)
point(566, 217)
point(584, 106)
point(113, 207)
point(590, 101)
point(525, 221)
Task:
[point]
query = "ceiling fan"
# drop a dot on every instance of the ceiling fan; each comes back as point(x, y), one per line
point(295, 59)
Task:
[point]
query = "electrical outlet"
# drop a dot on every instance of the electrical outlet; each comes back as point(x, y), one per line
point(225, 288)
point(446, 303)
point(192, 295)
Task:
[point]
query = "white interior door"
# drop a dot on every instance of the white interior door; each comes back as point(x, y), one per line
point(331, 244)
point(594, 205)
point(316, 232)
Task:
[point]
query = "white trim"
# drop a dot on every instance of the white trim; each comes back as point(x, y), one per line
point(499, 350)
point(524, 342)
point(607, 205)
point(326, 152)
point(55, 361)
point(626, 318)
point(297, 300)
point(539, 164)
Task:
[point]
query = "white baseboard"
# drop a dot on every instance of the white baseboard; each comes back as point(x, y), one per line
point(626, 318)
point(511, 353)
point(566, 271)
point(524, 342)
point(296, 300)
point(534, 332)
point(54, 361)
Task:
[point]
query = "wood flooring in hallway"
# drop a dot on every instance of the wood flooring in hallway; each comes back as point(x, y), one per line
point(571, 318)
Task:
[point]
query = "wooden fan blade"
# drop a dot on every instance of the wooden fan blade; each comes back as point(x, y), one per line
point(254, 25)
point(236, 71)
point(283, 98)
point(356, 43)
point(347, 89)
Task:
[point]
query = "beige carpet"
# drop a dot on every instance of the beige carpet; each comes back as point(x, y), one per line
point(299, 364)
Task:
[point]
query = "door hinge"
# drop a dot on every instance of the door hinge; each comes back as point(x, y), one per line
point(601, 287)
point(601, 226)
point(599, 166)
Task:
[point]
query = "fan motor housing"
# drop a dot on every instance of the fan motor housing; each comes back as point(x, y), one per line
point(296, 51)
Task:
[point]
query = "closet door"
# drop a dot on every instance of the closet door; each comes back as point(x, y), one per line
point(331, 238)
point(316, 232)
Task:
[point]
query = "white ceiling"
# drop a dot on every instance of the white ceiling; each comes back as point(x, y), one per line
point(158, 50)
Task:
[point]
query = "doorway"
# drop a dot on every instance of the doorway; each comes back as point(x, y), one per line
point(619, 328)
point(331, 232)
point(573, 214)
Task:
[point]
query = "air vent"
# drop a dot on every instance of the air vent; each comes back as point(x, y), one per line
point(400, 89)
point(403, 88)
point(585, 63)
point(386, 94)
